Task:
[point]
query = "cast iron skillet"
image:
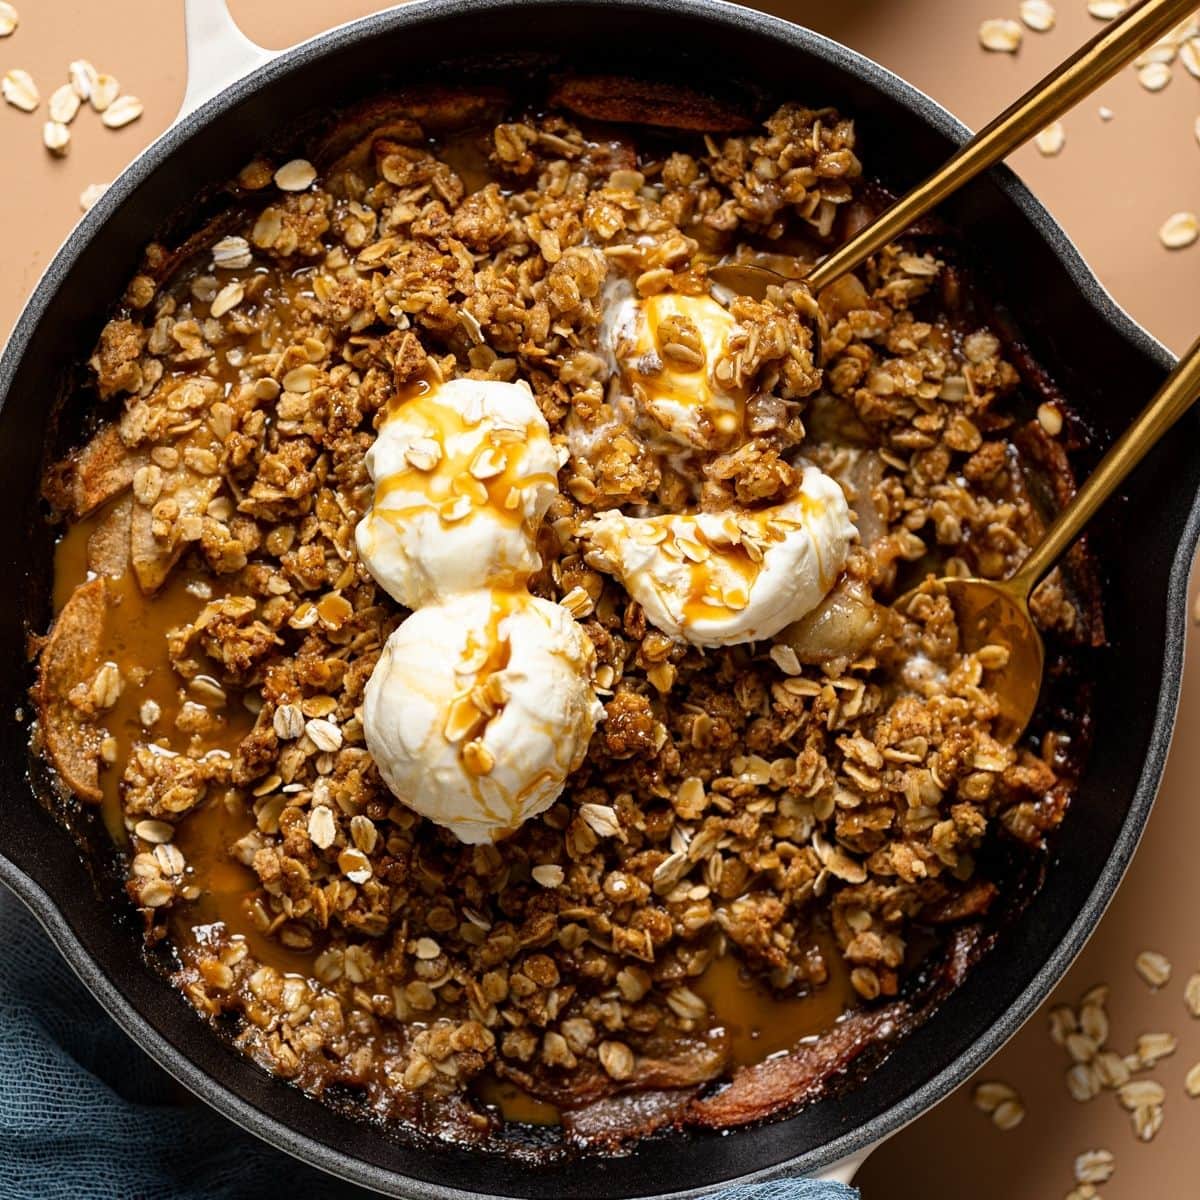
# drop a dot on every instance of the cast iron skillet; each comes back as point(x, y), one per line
point(1105, 364)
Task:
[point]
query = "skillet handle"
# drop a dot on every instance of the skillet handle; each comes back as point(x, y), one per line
point(218, 52)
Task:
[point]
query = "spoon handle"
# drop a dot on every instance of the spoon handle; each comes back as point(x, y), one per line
point(1174, 398)
point(1060, 91)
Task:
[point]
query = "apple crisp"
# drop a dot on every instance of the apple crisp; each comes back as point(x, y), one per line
point(776, 855)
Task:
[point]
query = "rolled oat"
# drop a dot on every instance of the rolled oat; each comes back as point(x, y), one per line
point(1000, 35)
point(122, 111)
point(1038, 15)
point(103, 90)
point(19, 90)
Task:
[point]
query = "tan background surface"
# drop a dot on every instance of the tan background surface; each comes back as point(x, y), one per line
point(1111, 187)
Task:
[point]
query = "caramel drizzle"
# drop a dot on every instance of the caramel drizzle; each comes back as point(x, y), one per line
point(680, 383)
point(453, 486)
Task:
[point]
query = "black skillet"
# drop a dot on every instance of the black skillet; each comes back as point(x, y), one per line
point(1105, 365)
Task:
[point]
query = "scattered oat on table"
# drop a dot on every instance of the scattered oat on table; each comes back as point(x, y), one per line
point(1084, 1034)
point(1178, 231)
point(1093, 1021)
point(1189, 55)
point(56, 137)
point(83, 77)
point(121, 112)
point(9, 19)
point(19, 90)
point(1083, 1083)
point(1062, 1017)
point(1153, 1047)
point(1051, 139)
point(1106, 10)
point(990, 1094)
point(1038, 15)
point(91, 194)
point(1154, 76)
point(1153, 967)
point(1000, 35)
point(1141, 1093)
point(1154, 66)
point(1147, 1121)
point(1094, 1166)
point(1160, 52)
point(103, 91)
point(1008, 1115)
point(64, 104)
point(1111, 1070)
point(1143, 1099)
point(1191, 991)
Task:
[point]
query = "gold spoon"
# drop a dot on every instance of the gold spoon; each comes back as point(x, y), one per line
point(996, 612)
point(1096, 61)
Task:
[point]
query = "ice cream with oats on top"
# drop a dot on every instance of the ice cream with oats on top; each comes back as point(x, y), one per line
point(481, 703)
point(717, 579)
point(480, 707)
point(464, 472)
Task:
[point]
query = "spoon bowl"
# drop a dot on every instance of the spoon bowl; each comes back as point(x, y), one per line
point(994, 623)
point(993, 615)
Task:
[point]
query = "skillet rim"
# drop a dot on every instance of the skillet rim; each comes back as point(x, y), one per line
point(895, 90)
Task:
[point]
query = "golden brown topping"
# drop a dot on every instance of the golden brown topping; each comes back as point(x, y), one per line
point(790, 810)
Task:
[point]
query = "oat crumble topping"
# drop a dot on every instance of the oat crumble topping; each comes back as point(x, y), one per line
point(810, 809)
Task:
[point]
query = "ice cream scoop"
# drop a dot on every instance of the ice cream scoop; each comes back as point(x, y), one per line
point(717, 579)
point(464, 472)
point(480, 707)
point(669, 353)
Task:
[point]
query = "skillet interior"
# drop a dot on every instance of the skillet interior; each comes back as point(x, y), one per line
point(1104, 364)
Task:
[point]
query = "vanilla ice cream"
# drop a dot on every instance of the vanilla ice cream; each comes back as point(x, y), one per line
point(464, 472)
point(716, 579)
point(670, 362)
point(479, 709)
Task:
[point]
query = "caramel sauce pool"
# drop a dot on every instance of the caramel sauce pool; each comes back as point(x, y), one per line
point(513, 1104)
point(135, 639)
point(228, 889)
point(760, 1022)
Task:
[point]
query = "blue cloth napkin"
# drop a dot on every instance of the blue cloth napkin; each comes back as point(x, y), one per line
point(86, 1115)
